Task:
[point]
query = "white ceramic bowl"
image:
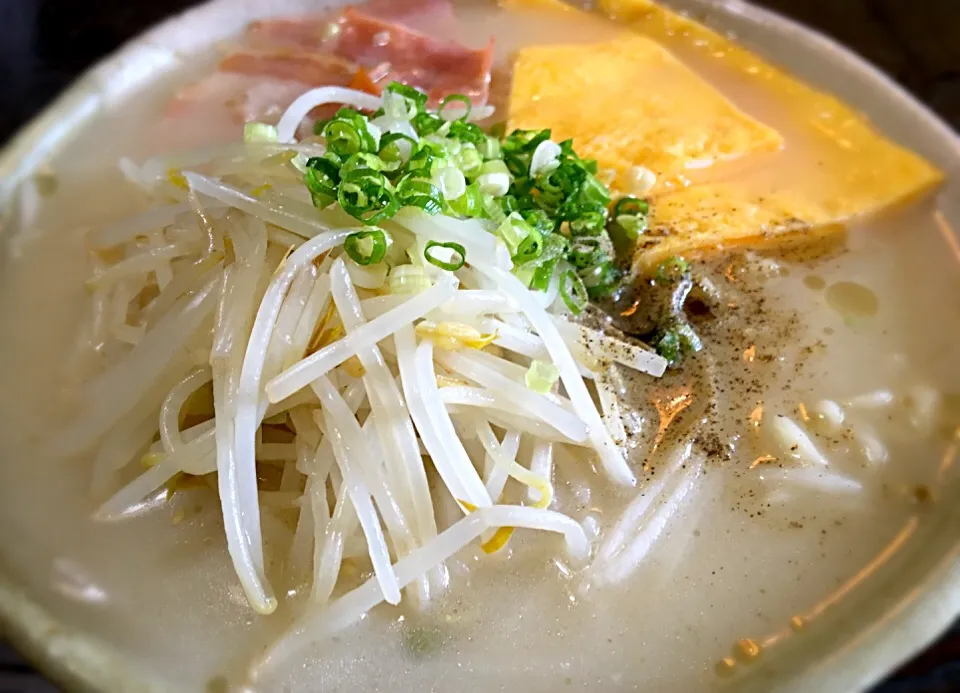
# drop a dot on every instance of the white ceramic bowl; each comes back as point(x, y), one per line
point(902, 607)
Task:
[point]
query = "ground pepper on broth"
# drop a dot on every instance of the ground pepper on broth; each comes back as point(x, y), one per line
point(731, 500)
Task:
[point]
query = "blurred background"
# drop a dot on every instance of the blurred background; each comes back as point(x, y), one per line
point(45, 44)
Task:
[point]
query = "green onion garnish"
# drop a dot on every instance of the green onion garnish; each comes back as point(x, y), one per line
point(490, 148)
point(541, 376)
point(346, 133)
point(557, 218)
point(420, 193)
point(365, 194)
point(585, 253)
point(632, 206)
point(677, 341)
point(529, 248)
point(392, 148)
point(601, 280)
point(469, 160)
point(471, 203)
point(459, 259)
point(456, 98)
point(322, 178)
point(543, 274)
point(668, 346)
point(573, 292)
point(416, 98)
point(631, 226)
point(467, 132)
point(513, 230)
point(367, 247)
point(672, 268)
point(426, 124)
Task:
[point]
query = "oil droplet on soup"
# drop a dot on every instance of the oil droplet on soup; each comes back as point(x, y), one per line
point(852, 300)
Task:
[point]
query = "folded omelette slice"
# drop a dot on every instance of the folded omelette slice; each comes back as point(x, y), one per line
point(629, 101)
point(724, 178)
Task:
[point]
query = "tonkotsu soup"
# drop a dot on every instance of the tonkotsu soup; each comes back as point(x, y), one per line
point(412, 346)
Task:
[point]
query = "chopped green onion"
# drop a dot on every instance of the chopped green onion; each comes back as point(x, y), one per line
point(322, 177)
point(632, 226)
point(545, 158)
point(593, 191)
point(451, 181)
point(513, 230)
point(452, 266)
point(259, 132)
point(347, 133)
point(601, 280)
point(393, 150)
point(426, 124)
point(668, 346)
point(632, 206)
point(493, 208)
point(529, 248)
point(467, 132)
point(677, 340)
point(509, 204)
point(365, 194)
point(366, 247)
point(489, 148)
point(538, 194)
point(455, 98)
point(573, 292)
point(471, 203)
point(672, 268)
point(417, 100)
point(427, 158)
point(469, 161)
point(538, 219)
point(362, 160)
point(543, 274)
point(494, 178)
point(590, 221)
point(420, 193)
point(586, 252)
point(541, 376)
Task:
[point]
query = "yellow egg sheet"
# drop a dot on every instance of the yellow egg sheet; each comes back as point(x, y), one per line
point(627, 102)
point(722, 182)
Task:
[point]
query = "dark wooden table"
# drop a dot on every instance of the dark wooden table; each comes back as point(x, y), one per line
point(44, 44)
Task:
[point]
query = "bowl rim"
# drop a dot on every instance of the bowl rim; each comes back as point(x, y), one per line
point(83, 663)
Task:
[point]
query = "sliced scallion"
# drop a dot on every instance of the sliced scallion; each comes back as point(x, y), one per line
point(455, 99)
point(322, 177)
point(365, 194)
point(366, 247)
point(421, 193)
point(454, 264)
point(541, 376)
point(632, 206)
point(573, 292)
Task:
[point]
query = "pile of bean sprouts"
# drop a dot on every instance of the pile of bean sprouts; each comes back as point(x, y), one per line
point(377, 377)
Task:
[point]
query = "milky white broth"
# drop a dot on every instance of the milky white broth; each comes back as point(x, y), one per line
point(732, 565)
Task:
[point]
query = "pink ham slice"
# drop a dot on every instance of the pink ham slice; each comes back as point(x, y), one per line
point(388, 39)
point(296, 66)
point(369, 47)
point(317, 32)
point(390, 52)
